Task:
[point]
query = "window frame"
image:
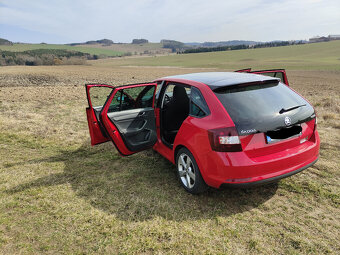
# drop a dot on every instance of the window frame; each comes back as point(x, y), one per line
point(207, 113)
point(122, 92)
point(162, 91)
point(161, 96)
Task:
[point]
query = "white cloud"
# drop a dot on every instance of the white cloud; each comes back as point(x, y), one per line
point(184, 20)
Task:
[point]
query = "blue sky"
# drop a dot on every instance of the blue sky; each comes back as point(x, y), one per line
point(65, 21)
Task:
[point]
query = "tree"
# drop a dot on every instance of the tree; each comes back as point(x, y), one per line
point(173, 45)
point(139, 41)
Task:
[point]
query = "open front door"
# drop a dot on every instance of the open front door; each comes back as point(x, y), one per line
point(97, 95)
point(278, 73)
point(128, 118)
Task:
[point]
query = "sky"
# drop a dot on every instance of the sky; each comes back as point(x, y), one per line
point(67, 21)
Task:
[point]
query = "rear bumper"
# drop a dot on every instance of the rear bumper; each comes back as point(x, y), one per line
point(268, 180)
point(238, 169)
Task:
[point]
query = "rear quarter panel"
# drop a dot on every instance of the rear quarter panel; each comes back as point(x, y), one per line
point(193, 133)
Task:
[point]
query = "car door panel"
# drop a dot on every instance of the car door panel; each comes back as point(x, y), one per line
point(130, 125)
point(137, 127)
point(97, 132)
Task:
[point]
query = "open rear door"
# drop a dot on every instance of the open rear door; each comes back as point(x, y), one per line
point(246, 70)
point(278, 73)
point(128, 118)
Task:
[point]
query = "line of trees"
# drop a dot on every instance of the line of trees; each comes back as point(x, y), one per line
point(273, 44)
point(44, 57)
point(239, 47)
point(211, 49)
point(105, 42)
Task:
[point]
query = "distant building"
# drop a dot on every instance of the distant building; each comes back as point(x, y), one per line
point(334, 37)
point(324, 38)
point(318, 39)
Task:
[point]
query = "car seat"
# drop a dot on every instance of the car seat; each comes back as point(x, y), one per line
point(176, 111)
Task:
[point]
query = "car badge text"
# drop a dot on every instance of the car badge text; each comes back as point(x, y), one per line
point(248, 131)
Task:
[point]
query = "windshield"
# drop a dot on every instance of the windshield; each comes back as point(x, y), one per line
point(256, 108)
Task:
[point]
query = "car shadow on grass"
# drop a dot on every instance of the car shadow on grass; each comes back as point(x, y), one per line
point(140, 187)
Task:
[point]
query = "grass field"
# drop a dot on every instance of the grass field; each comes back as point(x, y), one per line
point(59, 195)
point(317, 56)
point(95, 51)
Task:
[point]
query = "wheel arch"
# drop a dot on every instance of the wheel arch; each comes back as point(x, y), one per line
point(193, 152)
point(178, 147)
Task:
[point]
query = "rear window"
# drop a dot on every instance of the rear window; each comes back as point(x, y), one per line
point(256, 108)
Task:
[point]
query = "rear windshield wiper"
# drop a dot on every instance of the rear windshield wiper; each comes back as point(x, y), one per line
point(291, 108)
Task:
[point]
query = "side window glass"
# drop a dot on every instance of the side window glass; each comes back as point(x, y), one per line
point(168, 95)
point(98, 95)
point(146, 97)
point(198, 106)
point(132, 98)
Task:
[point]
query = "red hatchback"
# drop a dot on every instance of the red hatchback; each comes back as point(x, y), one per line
point(219, 128)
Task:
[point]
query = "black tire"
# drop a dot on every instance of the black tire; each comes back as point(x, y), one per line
point(189, 174)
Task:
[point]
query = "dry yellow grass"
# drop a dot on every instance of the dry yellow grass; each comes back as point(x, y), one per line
point(60, 195)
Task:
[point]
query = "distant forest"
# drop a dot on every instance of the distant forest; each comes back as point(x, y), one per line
point(238, 47)
point(44, 57)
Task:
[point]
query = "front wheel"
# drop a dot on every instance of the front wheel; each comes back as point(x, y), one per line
point(188, 172)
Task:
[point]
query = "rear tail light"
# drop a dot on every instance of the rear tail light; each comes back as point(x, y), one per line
point(315, 122)
point(224, 139)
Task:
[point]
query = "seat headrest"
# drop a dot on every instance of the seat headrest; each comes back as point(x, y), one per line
point(180, 94)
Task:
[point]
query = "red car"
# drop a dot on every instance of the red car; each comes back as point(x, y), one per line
point(219, 128)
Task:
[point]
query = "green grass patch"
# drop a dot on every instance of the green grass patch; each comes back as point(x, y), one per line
point(316, 56)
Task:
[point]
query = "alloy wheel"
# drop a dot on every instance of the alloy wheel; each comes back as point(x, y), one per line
point(186, 171)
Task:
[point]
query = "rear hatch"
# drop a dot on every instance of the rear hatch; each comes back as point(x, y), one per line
point(269, 117)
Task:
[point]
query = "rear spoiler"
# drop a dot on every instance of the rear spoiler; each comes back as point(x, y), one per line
point(248, 70)
point(272, 82)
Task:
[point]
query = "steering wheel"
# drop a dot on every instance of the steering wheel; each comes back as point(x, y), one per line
point(167, 99)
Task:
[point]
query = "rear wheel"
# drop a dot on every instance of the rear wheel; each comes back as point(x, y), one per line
point(188, 172)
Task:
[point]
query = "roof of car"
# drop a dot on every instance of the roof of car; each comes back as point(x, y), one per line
point(222, 79)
